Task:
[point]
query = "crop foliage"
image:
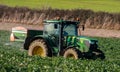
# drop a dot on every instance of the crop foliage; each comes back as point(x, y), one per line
point(14, 58)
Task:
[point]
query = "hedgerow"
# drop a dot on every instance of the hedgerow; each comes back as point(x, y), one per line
point(89, 18)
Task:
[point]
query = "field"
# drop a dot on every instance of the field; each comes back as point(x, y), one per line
point(13, 58)
point(96, 5)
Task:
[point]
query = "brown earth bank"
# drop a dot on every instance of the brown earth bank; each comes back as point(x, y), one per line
point(86, 32)
point(91, 19)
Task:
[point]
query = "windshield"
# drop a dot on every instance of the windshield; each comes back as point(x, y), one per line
point(70, 29)
point(51, 28)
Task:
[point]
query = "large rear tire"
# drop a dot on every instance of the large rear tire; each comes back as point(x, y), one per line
point(72, 53)
point(39, 47)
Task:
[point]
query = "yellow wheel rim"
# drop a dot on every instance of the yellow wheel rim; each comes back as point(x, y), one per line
point(38, 50)
point(70, 56)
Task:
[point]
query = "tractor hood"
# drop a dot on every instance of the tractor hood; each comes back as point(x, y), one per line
point(90, 40)
point(85, 43)
point(82, 43)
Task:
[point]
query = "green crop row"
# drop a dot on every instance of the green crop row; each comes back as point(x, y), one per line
point(13, 58)
point(96, 5)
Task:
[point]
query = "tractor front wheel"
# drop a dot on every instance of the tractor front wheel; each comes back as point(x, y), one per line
point(40, 48)
point(72, 53)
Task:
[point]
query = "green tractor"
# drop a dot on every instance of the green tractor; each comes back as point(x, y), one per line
point(60, 38)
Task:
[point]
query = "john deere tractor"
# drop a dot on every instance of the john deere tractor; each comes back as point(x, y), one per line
point(60, 38)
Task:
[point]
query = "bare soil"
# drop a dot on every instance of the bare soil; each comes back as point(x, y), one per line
point(9, 26)
point(86, 32)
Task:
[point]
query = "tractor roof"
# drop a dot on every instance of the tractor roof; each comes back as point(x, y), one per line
point(61, 21)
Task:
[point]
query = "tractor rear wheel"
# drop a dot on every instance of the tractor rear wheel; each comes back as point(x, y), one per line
point(72, 53)
point(40, 48)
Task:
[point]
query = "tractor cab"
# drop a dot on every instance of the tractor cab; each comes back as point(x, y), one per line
point(56, 32)
point(53, 27)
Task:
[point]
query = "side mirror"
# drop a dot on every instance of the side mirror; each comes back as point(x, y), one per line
point(83, 27)
point(55, 26)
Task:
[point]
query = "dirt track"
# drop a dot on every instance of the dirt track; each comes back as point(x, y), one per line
point(86, 32)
